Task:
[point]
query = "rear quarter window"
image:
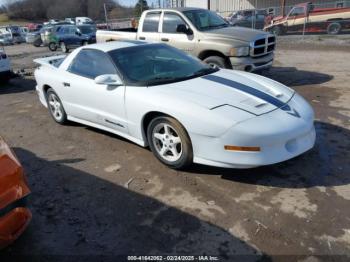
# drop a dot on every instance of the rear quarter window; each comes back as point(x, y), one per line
point(151, 22)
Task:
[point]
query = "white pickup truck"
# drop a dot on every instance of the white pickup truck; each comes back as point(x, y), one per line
point(204, 34)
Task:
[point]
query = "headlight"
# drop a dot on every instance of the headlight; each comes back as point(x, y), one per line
point(239, 51)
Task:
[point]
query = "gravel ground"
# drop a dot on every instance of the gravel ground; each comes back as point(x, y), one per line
point(96, 194)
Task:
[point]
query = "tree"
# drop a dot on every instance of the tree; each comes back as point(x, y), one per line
point(141, 6)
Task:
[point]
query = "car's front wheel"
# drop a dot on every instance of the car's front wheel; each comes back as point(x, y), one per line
point(56, 107)
point(170, 142)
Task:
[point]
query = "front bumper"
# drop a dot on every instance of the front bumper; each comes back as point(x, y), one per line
point(280, 136)
point(13, 190)
point(250, 64)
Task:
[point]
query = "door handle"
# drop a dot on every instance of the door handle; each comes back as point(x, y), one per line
point(142, 38)
point(66, 84)
point(165, 39)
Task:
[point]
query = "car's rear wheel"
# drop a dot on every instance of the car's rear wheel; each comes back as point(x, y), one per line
point(53, 46)
point(56, 107)
point(170, 142)
point(64, 47)
point(38, 42)
point(334, 28)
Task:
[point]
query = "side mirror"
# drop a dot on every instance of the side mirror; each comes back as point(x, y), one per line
point(182, 28)
point(78, 33)
point(109, 80)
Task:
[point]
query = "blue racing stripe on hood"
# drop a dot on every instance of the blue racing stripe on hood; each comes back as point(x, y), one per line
point(246, 89)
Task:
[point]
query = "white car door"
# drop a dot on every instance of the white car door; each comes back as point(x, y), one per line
point(150, 27)
point(88, 101)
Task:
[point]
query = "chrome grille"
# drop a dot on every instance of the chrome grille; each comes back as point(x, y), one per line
point(262, 46)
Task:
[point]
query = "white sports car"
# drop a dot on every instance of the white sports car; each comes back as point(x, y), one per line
point(184, 110)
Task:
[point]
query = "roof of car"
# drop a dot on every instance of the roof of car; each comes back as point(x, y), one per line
point(180, 9)
point(109, 46)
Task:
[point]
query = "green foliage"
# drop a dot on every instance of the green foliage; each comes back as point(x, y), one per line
point(141, 6)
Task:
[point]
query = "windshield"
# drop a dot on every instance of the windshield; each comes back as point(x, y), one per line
point(87, 29)
point(156, 64)
point(205, 20)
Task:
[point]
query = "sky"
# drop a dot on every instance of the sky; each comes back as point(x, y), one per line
point(123, 2)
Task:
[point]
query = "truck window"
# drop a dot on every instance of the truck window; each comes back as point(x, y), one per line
point(297, 11)
point(171, 21)
point(151, 22)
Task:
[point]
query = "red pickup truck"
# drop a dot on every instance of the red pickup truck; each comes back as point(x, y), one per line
point(311, 19)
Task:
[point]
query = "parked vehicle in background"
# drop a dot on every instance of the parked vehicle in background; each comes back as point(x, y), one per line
point(203, 34)
point(83, 21)
point(32, 27)
point(70, 20)
point(71, 36)
point(15, 217)
point(248, 18)
point(5, 67)
point(308, 17)
point(186, 111)
point(5, 39)
point(34, 38)
point(24, 31)
point(15, 33)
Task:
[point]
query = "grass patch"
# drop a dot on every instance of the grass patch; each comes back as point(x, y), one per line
point(4, 20)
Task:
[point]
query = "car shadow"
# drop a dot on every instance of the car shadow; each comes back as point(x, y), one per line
point(17, 85)
point(326, 165)
point(77, 214)
point(291, 76)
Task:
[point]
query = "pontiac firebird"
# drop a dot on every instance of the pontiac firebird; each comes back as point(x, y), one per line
point(185, 111)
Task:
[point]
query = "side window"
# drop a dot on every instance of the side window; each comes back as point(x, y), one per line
point(297, 11)
point(91, 64)
point(170, 23)
point(151, 22)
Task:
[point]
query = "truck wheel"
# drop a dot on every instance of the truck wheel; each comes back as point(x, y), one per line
point(334, 28)
point(277, 30)
point(52, 46)
point(217, 61)
point(170, 142)
point(64, 47)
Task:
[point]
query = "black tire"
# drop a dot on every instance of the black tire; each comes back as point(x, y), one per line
point(185, 157)
point(277, 30)
point(53, 46)
point(217, 61)
point(84, 43)
point(334, 28)
point(64, 47)
point(38, 43)
point(49, 96)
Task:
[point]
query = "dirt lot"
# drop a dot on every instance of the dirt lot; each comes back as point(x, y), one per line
point(97, 194)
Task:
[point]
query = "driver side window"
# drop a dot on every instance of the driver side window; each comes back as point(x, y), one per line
point(170, 23)
point(91, 63)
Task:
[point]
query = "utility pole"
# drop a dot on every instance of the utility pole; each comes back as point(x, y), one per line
point(106, 15)
point(283, 2)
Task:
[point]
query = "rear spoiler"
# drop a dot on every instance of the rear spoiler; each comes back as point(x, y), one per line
point(50, 61)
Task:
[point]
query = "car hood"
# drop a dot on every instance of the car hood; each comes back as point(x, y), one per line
point(249, 92)
point(236, 32)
